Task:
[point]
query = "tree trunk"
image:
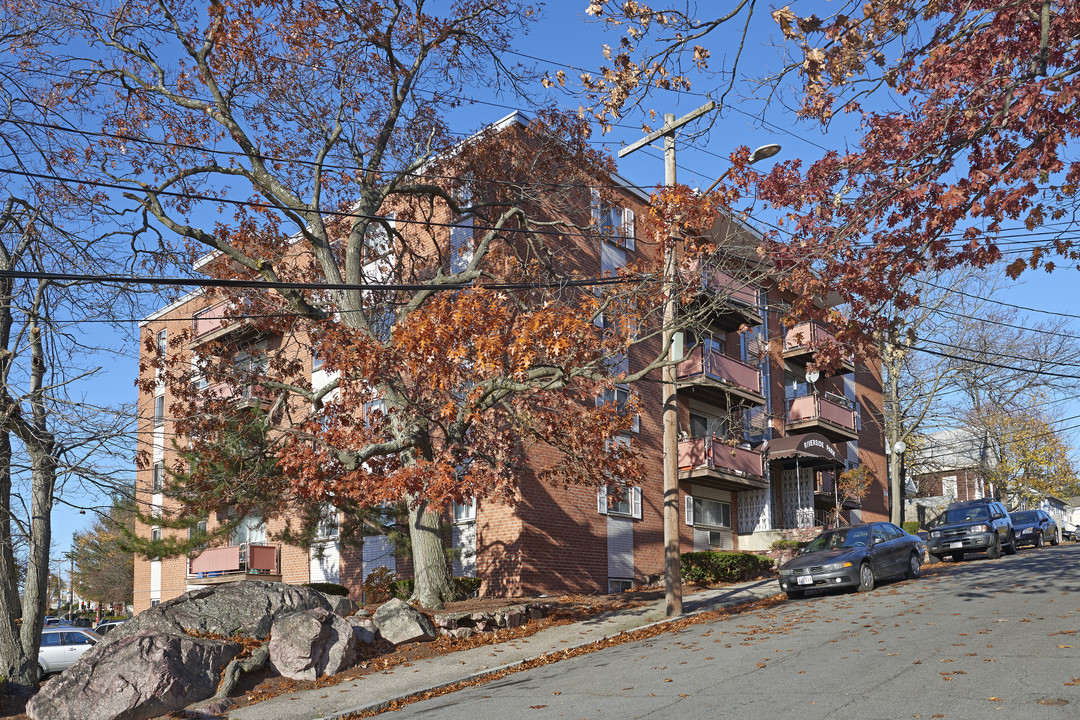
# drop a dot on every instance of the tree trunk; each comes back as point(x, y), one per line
point(434, 584)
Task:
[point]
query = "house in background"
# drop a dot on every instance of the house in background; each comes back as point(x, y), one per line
point(952, 466)
point(761, 444)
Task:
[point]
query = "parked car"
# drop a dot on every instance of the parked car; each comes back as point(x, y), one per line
point(1035, 528)
point(853, 556)
point(107, 626)
point(62, 646)
point(972, 526)
point(1070, 532)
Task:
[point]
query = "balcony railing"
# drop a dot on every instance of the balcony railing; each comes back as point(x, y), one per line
point(805, 338)
point(208, 320)
point(716, 455)
point(829, 408)
point(232, 560)
point(739, 291)
point(718, 366)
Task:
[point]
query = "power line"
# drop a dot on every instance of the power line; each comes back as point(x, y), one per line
point(285, 285)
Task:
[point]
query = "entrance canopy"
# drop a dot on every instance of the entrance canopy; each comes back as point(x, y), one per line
point(809, 449)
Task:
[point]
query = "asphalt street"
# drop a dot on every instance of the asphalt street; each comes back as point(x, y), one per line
point(978, 639)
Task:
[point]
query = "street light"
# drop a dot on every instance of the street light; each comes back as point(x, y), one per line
point(762, 153)
point(899, 447)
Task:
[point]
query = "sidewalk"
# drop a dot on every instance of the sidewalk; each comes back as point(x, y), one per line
point(373, 691)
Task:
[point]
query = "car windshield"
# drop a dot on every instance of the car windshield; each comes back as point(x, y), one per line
point(1028, 516)
point(963, 514)
point(844, 538)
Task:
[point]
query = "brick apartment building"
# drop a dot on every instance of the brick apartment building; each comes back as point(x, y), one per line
point(759, 446)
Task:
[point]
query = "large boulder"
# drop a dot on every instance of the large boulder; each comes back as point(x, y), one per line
point(308, 644)
point(246, 608)
point(162, 666)
point(399, 623)
point(143, 675)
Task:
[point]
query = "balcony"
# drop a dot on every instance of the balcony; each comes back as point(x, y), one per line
point(212, 324)
point(743, 299)
point(235, 562)
point(831, 415)
point(720, 464)
point(801, 341)
point(710, 370)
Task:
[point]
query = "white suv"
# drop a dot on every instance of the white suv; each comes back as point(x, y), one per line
point(61, 646)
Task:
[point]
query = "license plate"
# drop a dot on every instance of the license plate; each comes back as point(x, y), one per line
point(956, 545)
point(805, 579)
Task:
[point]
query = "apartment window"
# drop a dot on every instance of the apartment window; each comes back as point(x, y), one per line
point(615, 223)
point(162, 338)
point(620, 396)
point(197, 530)
point(329, 528)
point(155, 603)
point(705, 512)
point(316, 361)
point(795, 387)
point(624, 501)
point(159, 410)
point(155, 534)
point(465, 512)
point(251, 530)
point(618, 585)
point(159, 476)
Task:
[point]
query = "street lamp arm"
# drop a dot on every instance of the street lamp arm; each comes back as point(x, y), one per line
point(761, 153)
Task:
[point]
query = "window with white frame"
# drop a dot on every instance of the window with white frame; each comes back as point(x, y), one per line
point(624, 501)
point(708, 513)
point(465, 512)
point(197, 530)
point(618, 585)
point(329, 528)
point(159, 410)
point(948, 486)
point(162, 344)
point(251, 530)
point(615, 223)
point(159, 477)
point(619, 395)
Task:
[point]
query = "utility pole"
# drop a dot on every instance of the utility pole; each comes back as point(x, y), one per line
point(672, 570)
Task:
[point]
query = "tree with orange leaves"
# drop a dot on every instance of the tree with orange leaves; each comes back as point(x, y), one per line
point(967, 130)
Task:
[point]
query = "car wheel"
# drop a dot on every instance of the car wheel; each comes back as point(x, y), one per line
point(1055, 539)
point(914, 567)
point(1010, 549)
point(932, 558)
point(40, 673)
point(994, 551)
point(1039, 542)
point(866, 578)
point(957, 557)
point(796, 594)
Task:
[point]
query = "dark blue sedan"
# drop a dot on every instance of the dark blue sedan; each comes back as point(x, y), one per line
point(1035, 528)
point(853, 556)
